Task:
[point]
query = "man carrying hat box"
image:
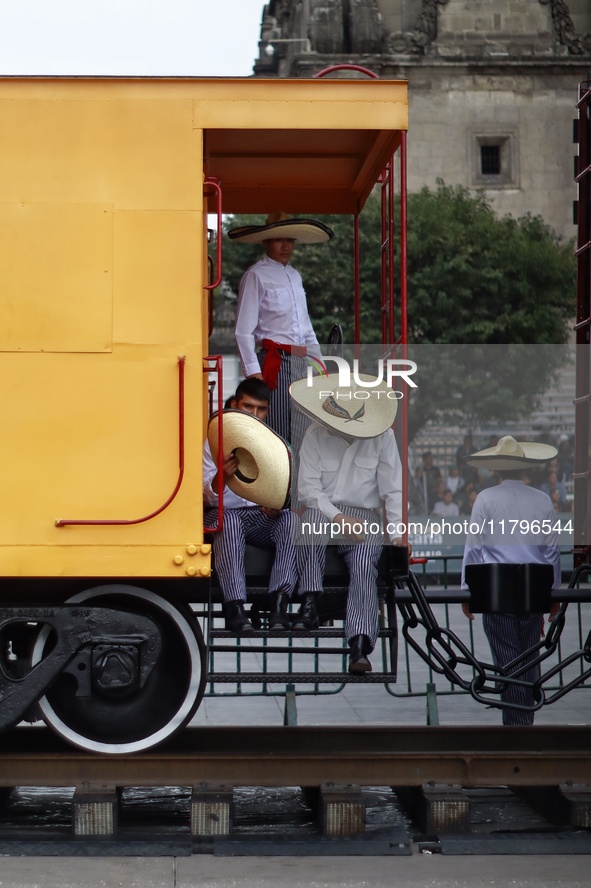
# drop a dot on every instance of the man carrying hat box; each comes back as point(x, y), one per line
point(272, 312)
point(257, 463)
point(349, 468)
point(510, 519)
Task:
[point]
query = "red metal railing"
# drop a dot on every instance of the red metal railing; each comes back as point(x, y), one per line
point(211, 184)
point(217, 385)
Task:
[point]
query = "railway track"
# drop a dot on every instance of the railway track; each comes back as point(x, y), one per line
point(311, 756)
point(435, 786)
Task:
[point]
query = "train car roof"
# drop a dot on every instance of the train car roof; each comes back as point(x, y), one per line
point(308, 146)
point(315, 146)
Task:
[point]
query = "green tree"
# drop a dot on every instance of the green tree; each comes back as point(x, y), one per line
point(477, 277)
point(473, 278)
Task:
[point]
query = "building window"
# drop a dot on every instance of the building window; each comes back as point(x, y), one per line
point(490, 160)
point(494, 163)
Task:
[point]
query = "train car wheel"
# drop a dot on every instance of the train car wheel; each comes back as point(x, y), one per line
point(168, 700)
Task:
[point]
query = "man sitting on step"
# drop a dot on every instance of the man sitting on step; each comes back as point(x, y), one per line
point(245, 521)
point(349, 468)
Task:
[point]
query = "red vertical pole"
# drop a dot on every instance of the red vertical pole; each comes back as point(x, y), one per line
point(404, 323)
point(356, 286)
point(403, 243)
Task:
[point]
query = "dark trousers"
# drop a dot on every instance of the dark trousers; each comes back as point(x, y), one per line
point(509, 636)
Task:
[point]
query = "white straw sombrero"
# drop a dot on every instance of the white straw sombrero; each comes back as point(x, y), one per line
point(509, 454)
point(303, 231)
point(264, 471)
point(357, 411)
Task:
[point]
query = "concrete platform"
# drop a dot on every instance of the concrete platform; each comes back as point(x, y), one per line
point(417, 871)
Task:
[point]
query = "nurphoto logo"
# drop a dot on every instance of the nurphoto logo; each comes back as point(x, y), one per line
point(388, 370)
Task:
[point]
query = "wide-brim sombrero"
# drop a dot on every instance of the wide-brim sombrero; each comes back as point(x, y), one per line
point(508, 455)
point(303, 231)
point(264, 471)
point(358, 411)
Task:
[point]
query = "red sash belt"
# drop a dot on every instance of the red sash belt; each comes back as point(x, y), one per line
point(272, 361)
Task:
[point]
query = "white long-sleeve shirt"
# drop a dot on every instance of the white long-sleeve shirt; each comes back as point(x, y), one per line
point(515, 526)
point(365, 472)
point(271, 305)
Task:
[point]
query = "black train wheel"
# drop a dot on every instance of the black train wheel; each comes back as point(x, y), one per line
point(166, 703)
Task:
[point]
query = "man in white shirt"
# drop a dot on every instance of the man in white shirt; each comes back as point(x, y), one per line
point(272, 312)
point(349, 470)
point(245, 522)
point(513, 523)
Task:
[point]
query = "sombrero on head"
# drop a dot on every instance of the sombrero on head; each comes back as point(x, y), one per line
point(508, 455)
point(264, 471)
point(357, 411)
point(303, 231)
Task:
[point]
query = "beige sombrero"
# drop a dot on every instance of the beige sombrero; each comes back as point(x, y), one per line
point(264, 472)
point(303, 231)
point(508, 455)
point(357, 411)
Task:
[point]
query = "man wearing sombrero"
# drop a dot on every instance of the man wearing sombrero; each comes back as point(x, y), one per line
point(349, 470)
point(512, 523)
point(272, 312)
point(255, 479)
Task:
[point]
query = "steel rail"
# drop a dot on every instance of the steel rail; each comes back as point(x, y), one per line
point(312, 756)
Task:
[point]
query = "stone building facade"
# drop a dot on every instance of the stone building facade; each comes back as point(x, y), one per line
point(492, 85)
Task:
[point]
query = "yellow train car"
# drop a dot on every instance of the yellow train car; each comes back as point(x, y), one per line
point(106, 186)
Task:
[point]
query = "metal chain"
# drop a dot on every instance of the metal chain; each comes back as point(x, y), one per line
point(443, 652)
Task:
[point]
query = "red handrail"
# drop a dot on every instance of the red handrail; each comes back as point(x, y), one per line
point(346, 67)
point(217, 360)
point(216, 186)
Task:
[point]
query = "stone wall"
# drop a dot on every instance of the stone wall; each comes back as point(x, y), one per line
point(484, 76)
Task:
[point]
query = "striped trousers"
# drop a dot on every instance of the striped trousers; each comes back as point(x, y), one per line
point(362, 614)
point(250, 525)
point(509, 636)
point(284, 417)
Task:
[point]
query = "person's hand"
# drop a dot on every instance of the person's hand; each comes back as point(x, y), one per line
point(270, 513)
point(231, 463)
point(554, 609)
point(398, 541)
point(467, 612)
point(346, 522)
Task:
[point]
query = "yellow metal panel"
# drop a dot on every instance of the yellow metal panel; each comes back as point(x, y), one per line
point(130, 153)
point(306, 114)
point(96, 437)
point(98, 560)
point(158, 274)
point(302, 104)
point(56, 277)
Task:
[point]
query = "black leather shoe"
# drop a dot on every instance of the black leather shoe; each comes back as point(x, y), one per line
point(236, 619)
point(278, 618)
point(307, 616)
point(359, 650)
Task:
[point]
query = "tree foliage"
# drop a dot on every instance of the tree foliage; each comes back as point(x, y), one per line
point(478, 277)
point(473, 278)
